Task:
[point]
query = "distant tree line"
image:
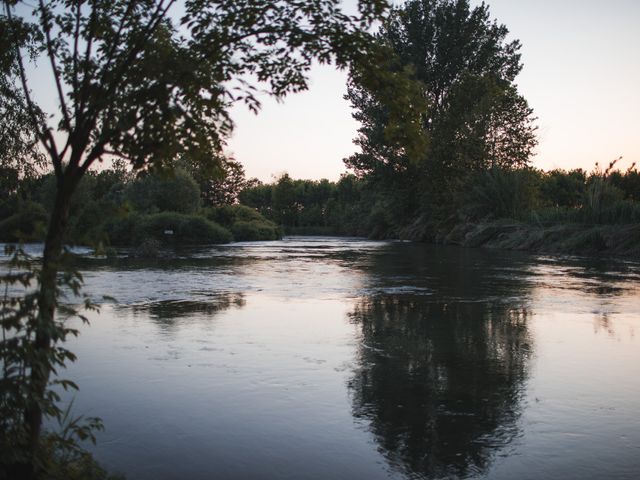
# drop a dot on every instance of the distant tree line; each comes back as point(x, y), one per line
point(351, 206)
point(311, 206)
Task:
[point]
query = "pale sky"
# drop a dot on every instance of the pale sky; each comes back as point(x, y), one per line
point(581, 76)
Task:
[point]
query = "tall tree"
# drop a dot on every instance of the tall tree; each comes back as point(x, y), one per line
point(220, 181)
point(475, 116)
point(150, 81)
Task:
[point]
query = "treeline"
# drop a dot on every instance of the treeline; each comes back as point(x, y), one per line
point(113, 207)
point(357, 206)
point(312, 206)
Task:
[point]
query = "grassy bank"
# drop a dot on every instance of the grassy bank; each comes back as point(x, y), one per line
point(571, 238)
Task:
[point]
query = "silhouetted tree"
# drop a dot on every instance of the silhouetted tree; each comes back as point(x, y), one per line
point(284, 201)
point(148, 82)
point(475, 117)
point(220, 185)
point(174, 192)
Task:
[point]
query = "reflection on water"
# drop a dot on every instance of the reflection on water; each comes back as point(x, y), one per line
point(316, 358)
point(169, 313)
point(440, 384)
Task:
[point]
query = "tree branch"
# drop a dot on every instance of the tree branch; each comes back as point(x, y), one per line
point(76, 37)
point(87, 56)
point(54, 68)
point(142, 38)
point(109, 57)
point(43, 134)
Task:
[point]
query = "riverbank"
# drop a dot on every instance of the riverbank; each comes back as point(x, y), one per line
point(573, 239)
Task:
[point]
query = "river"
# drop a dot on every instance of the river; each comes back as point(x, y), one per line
point(332, 358)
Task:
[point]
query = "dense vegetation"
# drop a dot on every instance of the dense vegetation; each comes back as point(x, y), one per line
point(114, 208)
point(353, 206)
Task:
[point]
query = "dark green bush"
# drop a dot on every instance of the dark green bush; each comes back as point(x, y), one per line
point(619, 212)
point(380, 221)
point(247, 214)
point(121, 230)
point(185, 229)
point(227, 215)
point(559, 188)
point(255, 230)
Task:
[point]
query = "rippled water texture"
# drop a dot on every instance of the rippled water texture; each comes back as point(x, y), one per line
point(343, 358)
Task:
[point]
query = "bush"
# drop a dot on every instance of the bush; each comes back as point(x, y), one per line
point(601, 194)
point(121, 231)
point(255, 230)
point(559, 188)
point(227, 215)
point(380, 221)
point(245, 223)
point(628, 182)
point(185, 229)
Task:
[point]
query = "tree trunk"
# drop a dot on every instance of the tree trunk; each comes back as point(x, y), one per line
point(44, 331)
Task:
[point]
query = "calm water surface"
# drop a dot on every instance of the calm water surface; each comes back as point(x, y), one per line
point(318, 358)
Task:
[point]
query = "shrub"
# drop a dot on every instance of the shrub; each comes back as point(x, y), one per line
point(255, 230)
point(380, 221)
point(559, 188)
point(245, 223)
point(185, 229)
point(601, 194)
point(227, 215)
point(121, 231)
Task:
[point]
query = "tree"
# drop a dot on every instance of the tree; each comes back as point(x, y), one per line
point(286, 208)
point(259, 196)
point(134, 80)
point(220, 183)
point(475, 117)
point(149, 193)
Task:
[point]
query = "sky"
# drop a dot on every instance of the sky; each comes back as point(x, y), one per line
point(581, 76)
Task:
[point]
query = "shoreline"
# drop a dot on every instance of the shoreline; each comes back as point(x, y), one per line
point(565, 239)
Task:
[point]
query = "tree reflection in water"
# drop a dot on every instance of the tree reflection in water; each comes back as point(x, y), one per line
point(168, 314)
point(440, 384)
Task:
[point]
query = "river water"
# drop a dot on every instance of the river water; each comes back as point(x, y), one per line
point(331, 358)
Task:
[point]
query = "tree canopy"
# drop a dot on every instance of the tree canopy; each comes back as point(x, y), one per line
point(149, 80)
point(475, 117)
